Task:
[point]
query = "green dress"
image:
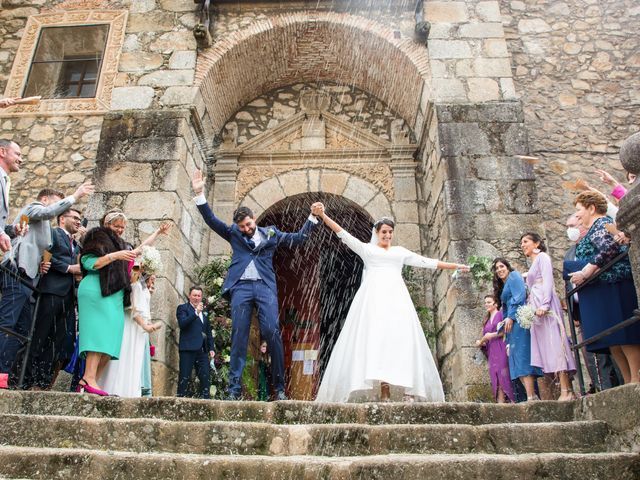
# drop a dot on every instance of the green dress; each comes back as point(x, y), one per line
point(100, 319)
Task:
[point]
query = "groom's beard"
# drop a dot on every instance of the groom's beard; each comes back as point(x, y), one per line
point(250, 234)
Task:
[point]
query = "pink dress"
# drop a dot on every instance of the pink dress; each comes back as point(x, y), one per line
point(496, 352)
point(550, 346)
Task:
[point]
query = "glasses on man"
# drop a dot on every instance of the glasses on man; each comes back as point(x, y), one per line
point(75, 218)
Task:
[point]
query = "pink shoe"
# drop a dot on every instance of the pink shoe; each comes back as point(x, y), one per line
point(86, 388)
point(4, 380)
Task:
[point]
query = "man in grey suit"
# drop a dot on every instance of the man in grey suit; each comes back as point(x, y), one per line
point(10, 161)
point(24, 262)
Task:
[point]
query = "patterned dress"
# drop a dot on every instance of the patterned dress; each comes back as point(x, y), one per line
point(612, 298)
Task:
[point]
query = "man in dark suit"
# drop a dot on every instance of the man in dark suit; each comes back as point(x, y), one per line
point(196, 343)
point(251, 282)
point(55, 319)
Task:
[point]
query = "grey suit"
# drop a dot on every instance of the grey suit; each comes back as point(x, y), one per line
point(27, 250)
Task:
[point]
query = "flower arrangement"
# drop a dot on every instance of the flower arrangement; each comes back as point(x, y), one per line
point(480, 269)
point(270, 233)
point(211, 277)
point(526, 316)
point(150, 260)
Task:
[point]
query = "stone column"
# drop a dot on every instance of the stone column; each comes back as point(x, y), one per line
point(144, 164)
point(223, 195)
point(628, 218)
point(404, 205)
point(479, 198)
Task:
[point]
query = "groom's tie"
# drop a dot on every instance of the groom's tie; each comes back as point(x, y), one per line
point(250, 243)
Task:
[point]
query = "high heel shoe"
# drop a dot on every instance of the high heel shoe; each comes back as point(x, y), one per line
point(86, 388)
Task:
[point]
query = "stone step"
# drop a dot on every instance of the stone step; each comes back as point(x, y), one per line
point(248, 438)
point(287, 412)
point(51, 463)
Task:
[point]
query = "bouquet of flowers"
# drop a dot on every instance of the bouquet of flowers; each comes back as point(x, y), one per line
point(150, 260)
point(526, 316)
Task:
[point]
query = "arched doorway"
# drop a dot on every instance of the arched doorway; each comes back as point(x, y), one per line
point(316, 284)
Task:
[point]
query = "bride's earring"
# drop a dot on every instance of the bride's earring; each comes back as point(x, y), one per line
point(536, 250)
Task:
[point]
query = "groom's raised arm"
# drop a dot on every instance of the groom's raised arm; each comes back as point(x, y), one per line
point(299, 237)
point(208, 216)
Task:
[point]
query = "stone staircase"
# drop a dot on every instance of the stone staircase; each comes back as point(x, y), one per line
point(62, 436)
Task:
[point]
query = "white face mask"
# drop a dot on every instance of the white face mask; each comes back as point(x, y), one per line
point(573, 233)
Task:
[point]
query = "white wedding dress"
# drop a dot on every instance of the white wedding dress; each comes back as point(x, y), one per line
point(123, 377)
point(381, 340)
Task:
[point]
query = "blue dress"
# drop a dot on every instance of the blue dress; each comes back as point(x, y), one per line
point(612, 298)
point(514, 295)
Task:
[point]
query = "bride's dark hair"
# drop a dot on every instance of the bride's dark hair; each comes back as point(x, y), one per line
point(384, 221)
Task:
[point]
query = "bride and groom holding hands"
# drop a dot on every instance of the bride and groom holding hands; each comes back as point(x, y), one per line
point(381, 352)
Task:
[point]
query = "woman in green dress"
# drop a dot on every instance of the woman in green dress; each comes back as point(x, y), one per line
point(102, 296)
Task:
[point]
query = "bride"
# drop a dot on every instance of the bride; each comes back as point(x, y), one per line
point(381, 347)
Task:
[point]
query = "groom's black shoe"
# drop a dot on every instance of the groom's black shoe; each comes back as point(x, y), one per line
point(281, 396)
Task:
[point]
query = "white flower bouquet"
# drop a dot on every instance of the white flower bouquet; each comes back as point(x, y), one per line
point(150, 260)
point(526, 316)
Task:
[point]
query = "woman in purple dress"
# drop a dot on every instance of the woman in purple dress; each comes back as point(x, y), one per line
point(550, 346)
point(495, 349)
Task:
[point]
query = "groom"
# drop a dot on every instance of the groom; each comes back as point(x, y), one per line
point(251, 282)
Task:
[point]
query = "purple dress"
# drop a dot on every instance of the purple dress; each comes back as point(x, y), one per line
point(550, 346)
point(496, 352)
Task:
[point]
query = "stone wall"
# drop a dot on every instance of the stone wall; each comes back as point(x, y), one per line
point(59, 152)
point(576, 68)
point(346, 102)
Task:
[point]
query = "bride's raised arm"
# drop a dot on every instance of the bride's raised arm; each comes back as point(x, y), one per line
point(353, 243)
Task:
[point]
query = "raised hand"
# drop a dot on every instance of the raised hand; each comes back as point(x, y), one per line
point(7, 102)
point(197, 182)
point(87, 188)
point(317, 209)
point(164, 228)
point(606, 177)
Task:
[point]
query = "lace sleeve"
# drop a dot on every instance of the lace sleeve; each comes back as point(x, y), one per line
point(606, 247)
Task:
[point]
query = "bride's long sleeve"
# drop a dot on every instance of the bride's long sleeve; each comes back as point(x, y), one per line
point(353, 243)
point(415, 260)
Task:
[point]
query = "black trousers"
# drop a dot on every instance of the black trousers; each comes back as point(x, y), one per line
point(55, 324)
point(189, 359)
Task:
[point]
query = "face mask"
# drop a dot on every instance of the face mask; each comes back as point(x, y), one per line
point(573, 233)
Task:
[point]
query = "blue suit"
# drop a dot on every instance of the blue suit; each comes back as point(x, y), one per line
point(261, 294)
point(196, 341)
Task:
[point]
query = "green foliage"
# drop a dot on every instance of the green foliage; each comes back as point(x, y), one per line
point(481, 273)
point(414, 279)
point(211, 277)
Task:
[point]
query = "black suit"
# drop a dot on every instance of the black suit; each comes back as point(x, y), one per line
point(55, 328)
point(196, 341)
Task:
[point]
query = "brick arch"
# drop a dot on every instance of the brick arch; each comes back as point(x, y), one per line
point(312, 46)
point(360, 191)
